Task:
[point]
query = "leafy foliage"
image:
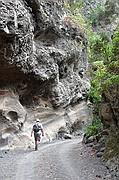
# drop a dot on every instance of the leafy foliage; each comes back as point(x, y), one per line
point(74, 6)
point(105, 71)
point(96, 15)
point(105, 13)
point(75, 15)
point(94, 128)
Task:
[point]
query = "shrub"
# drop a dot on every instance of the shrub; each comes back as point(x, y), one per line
point(104, 58)
point(94, 128)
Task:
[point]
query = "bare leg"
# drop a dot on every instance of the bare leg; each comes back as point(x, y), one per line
point(36, 145)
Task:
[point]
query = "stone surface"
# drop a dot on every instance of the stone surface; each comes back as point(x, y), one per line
point(43, 58)
point(41, 53)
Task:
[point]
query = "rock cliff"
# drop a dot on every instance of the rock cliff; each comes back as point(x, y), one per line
point(43, 58)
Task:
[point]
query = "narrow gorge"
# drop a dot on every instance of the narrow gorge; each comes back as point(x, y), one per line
point(45, 73)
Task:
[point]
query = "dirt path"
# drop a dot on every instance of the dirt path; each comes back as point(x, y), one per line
point(62, 160)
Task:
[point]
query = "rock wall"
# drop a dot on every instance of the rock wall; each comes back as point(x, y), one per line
point(43, 58)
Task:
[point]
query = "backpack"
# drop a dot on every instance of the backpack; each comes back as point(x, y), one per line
point(36, 127)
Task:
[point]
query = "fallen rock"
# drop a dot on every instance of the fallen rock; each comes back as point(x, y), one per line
point(67, 136)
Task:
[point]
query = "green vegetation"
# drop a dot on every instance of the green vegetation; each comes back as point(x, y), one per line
point(103, 54)
point(94, 128)
point(103, 13)
point(74, 14)
point(74, 6)
point(104, 57)
point(96, 15)
point(105, 71)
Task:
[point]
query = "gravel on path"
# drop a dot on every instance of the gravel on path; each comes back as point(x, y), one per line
point(61, 160)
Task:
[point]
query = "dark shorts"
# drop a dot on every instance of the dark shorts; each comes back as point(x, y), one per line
point(37, 136)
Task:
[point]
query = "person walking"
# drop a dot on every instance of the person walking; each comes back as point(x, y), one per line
point(38, 132)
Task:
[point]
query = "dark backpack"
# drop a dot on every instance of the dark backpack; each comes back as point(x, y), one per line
point(36, 128)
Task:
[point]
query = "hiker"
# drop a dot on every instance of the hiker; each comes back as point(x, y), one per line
point(38, 132)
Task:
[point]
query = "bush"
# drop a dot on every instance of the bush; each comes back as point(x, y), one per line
point(96, 15)
point(104, 58)
point(94, 128)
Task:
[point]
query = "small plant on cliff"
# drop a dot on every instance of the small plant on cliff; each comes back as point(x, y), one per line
point(74, 14)
point(74, 6)
point(94, 128)
point(96, 15)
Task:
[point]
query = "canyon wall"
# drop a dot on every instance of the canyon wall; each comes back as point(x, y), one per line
point(43, 59)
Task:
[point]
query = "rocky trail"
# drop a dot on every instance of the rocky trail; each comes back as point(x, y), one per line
point(61, 160)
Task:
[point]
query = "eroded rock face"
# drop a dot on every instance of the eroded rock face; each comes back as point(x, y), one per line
point(42, 55)
point(12, 116)
point(39, 44)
